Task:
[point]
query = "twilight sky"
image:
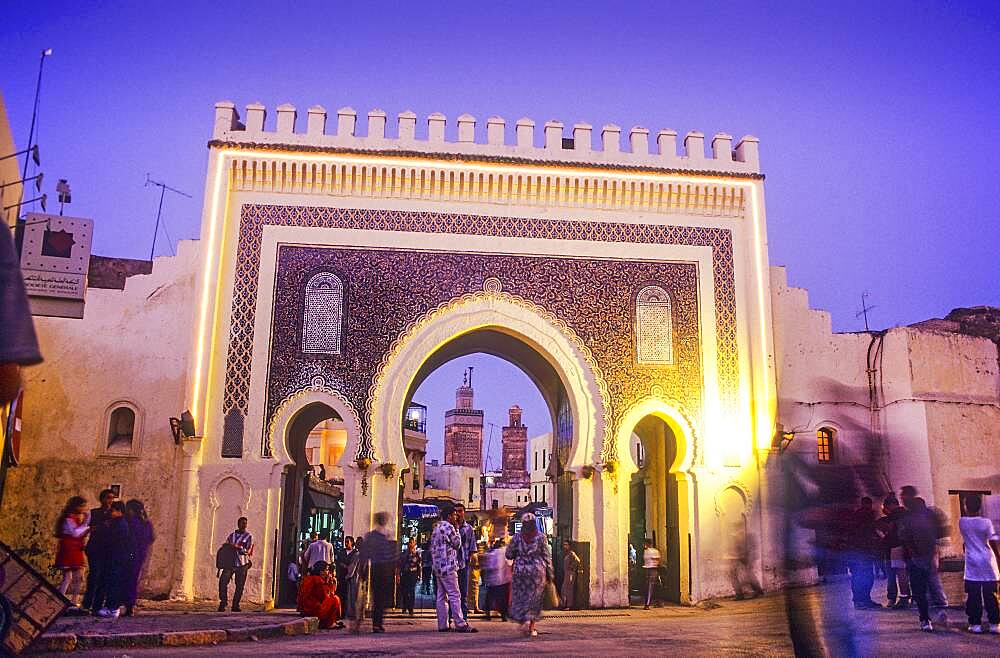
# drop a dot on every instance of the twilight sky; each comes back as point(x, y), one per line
point(879, 122)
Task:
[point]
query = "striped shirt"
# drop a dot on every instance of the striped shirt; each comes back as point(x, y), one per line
point(244, 542)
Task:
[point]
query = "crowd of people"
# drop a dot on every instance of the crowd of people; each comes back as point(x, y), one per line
point(109, 543)
point(900, 541)
point(510, 578)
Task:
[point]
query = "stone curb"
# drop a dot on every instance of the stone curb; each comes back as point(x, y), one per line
point(62, 642)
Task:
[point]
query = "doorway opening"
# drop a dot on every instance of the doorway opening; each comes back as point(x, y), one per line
point(658, 504)
point(313, 497)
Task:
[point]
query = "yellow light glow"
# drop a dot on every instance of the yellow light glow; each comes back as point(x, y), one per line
point(207, 288)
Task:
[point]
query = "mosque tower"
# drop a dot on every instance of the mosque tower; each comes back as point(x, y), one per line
point(515, 451)
point(463, 429)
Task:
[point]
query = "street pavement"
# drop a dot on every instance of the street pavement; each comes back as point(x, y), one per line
point(757, 627)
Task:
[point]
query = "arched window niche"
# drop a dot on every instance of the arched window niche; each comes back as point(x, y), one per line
point(654, 326)
point(323, 314)
point(121, 430)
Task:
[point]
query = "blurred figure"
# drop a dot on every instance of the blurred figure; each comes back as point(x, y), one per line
point(861, 555)
point(71, 529)
point(982, 552)
point(428, 566)
point(741, 572)
point(141, 531)
point(468, 535)
point(497, 575)
point(572, 567)
point(898, 581)
point(475, 576)
point(381, 555)
point(18, 345)
point(355, 575)
point(651, 567)
point(529, 549)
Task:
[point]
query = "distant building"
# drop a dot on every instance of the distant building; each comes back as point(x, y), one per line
point(542, 490)
point(515, 448)
point(415, 445)
point(459, 484)
point(463, 429)
point(511, 497)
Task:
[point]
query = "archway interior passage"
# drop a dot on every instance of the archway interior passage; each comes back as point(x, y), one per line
point(506, 371)
point(656, 508)
point(312, 499)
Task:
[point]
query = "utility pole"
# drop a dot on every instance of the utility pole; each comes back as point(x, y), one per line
point(159, 210)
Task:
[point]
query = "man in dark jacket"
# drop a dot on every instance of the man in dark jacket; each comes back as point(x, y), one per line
point(861, 555)
point(382, 552)
point(96, 550)
point(918, 533)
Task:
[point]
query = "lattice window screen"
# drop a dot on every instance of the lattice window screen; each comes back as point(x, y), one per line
point(324, 312)
point(654, 326)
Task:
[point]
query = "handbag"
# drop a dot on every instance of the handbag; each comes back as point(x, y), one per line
point(550, 598)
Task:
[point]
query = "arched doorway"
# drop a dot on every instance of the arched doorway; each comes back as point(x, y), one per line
point(660, 506)
point(312, 486)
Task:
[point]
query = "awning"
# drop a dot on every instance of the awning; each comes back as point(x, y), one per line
point(416, 511)
point(319, 500)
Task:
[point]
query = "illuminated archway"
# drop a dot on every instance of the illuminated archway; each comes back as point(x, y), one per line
point(667, 490)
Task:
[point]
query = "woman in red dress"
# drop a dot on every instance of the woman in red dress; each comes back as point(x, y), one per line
point(318, 598)
point(72, 529)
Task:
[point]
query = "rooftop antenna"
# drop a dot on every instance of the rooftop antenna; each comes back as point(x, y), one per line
point(163, 188)
point(470, 376)
point(865, 308)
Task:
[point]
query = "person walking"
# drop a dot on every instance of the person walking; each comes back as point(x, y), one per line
point(651, 567)
point(475, 576)
point(381, 553)
point(446, 545)
point(72, 529)
point(142, 537)
point(918, 535)
point(529, 549)
point(317, 596)
point(356, 576)
point(982, 552)
point(572, 567)
point(897, 581)
point(319, 550)
point(468, 535)
point(240, 543)
point(93, 597)
point(498, 576)
point(409, 572)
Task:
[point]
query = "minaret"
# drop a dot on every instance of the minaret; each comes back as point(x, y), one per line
point(515, 451)
point(463, 429)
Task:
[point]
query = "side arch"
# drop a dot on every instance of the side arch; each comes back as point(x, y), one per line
point(670, 413)
point(277, 433)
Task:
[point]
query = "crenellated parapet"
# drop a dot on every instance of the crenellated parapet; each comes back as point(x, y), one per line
point(521, 142)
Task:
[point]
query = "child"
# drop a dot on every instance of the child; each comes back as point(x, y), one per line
point(72, 529)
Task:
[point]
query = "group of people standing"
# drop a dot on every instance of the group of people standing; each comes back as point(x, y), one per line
point(903, 542)
point(113, 540)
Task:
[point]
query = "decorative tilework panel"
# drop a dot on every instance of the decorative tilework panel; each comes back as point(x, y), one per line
point(322, 315)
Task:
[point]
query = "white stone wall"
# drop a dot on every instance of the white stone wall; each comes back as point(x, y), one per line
point(539, 452)
point(455, 480)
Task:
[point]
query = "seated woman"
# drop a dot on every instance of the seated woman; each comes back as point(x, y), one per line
point(317, 596)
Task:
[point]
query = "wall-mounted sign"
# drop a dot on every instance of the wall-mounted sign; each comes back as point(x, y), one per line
point(55, 255)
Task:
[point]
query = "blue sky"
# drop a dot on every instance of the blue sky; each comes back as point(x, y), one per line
point(878, 121)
